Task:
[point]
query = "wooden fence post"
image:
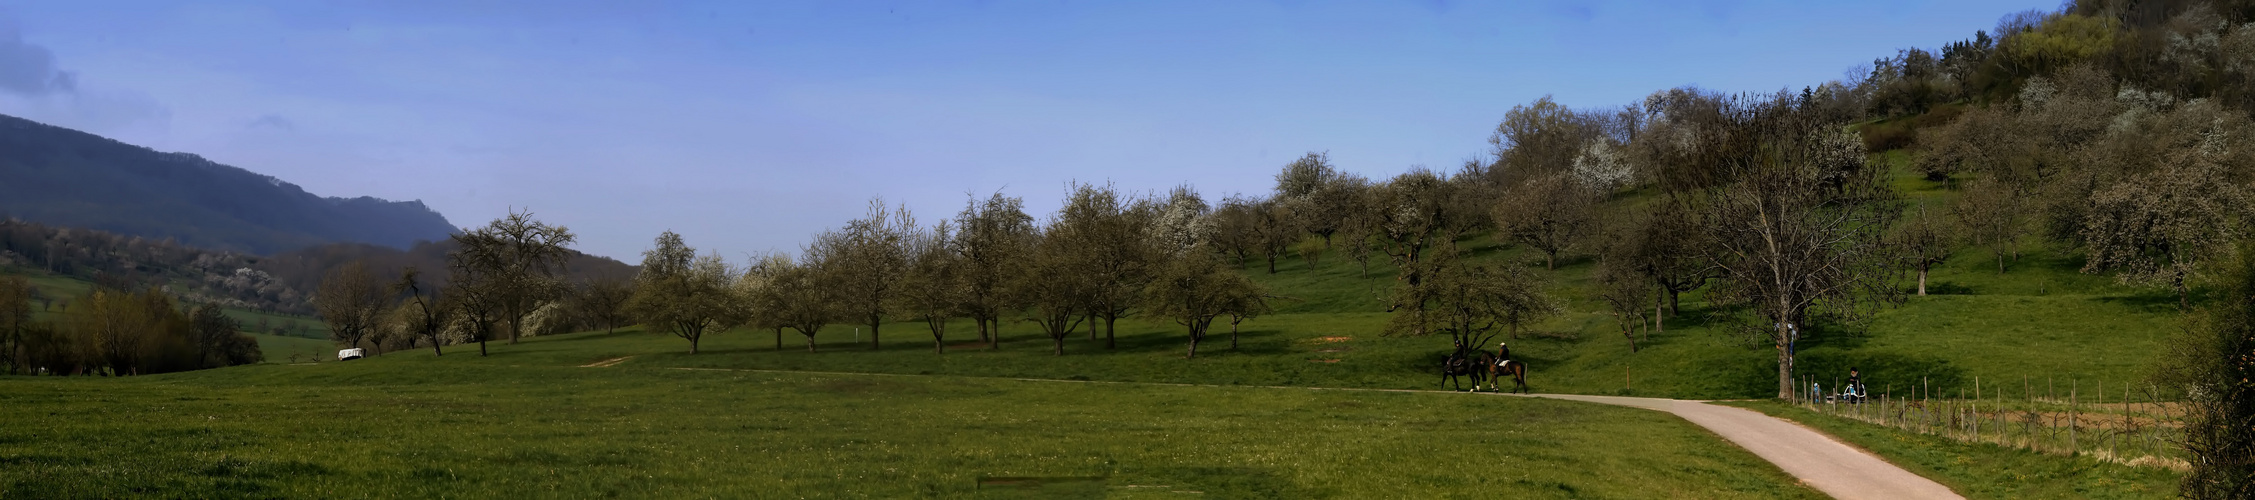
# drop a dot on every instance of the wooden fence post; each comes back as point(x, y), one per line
point(1926, 405)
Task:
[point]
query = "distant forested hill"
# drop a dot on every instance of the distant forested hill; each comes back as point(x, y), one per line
point(64, 177)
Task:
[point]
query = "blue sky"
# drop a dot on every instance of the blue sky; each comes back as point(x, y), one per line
point(749, 126)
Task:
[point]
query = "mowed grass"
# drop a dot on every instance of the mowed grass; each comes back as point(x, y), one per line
point(1981, 470)
point(410, 424)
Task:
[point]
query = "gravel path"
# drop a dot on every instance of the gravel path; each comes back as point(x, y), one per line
point(1820, 461)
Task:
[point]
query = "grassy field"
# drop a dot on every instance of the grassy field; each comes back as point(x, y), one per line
point(459, 425)
point(1987, 470)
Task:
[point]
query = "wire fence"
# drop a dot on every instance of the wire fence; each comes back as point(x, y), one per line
point(2126, 423)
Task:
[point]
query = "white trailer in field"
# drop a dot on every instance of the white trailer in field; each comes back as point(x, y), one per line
point(350, 354)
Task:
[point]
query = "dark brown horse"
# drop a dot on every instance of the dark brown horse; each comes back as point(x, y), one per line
point(1465, 362)
point(1515, 368)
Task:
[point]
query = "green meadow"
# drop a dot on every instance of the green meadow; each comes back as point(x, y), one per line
point(512, 425)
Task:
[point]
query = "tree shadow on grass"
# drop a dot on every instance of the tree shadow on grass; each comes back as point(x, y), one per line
point(2153, 301)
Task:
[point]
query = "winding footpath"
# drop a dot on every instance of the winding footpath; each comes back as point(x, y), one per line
point(1820, 461)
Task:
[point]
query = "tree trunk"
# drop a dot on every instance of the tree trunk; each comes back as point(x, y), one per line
point(1550, 260)
point(1233, 334)
point(982, 322)
point(435, 348)
point(481, 347)
point(1628, 332)
point(939, 338)
point(1193, 346)
point(1922, 280)
point(1659, 324)
point(809, 342)
point(1058, 339)
point(1109, 341)
point(778, 339)
point(1784, 365)
point(1272, 263)
point(1091, 327)
point(874, 320)
point(1675, 302)
point(693, 342)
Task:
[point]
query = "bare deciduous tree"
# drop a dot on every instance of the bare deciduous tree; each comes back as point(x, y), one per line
point(799, 296)
point(932, 287)
point(685, 294)
point(1993, 216)
point(1317, 195)
point(1668, 243)
point(1193, 288)
point(1473, 299)
point(762, 303)
point(1923, 242)
point(1111, 236)
point(1548, 213)
point(868, 257)
point(1799, 229)
point(1628, 295)
point(993, 239)
point(1418, 216)
point(1055, 285)
point(1236, 223)
point(1537, 139)
point(601, 302)
point(428, 316)
point(350, 302)
point(1273, 230)
point(514, 261)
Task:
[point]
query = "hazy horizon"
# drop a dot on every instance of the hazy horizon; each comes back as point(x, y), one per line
point(747, 128)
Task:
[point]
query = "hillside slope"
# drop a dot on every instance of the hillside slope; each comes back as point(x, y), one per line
point(64, 177)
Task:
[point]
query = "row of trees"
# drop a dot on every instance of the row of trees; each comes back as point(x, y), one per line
point(117, 332)
point(1106, 255)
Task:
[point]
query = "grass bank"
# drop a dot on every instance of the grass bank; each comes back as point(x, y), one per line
point(1981, 470)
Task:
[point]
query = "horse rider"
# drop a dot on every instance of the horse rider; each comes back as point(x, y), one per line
point(1503, 354)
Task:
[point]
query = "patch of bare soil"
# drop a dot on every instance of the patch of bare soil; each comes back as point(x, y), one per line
point(607, 363)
